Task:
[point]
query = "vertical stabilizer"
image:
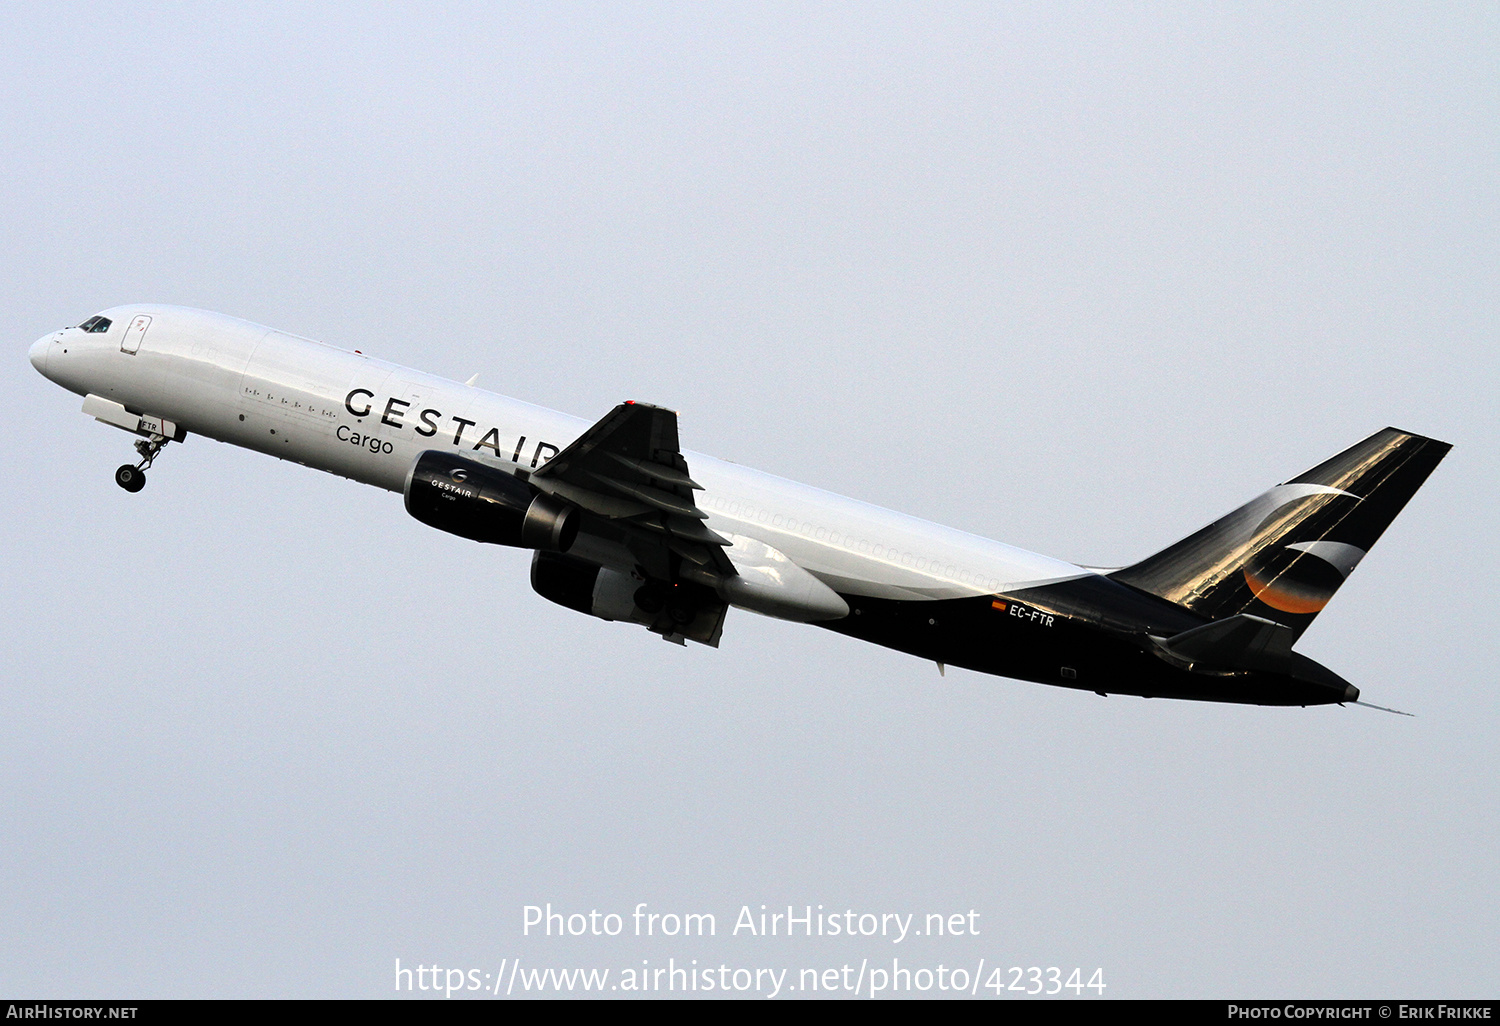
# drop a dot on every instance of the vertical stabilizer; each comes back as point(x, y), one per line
point(1282, 555)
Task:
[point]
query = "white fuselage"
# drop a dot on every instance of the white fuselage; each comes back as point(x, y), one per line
point(369, 420)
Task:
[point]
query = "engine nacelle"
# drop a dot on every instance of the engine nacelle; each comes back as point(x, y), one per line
point(675, 612)
point(587, 587)
point(484, 504)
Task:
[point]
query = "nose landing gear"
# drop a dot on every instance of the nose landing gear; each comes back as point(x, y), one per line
point(130, 478)
point(133, 478)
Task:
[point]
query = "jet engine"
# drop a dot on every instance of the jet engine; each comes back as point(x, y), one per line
point(676, 612)
point(484, 504)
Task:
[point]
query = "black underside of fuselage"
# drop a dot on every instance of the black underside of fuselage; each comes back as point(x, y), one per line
point(1091, 633)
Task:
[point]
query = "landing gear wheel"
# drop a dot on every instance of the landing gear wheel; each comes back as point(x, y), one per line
point(132, 479)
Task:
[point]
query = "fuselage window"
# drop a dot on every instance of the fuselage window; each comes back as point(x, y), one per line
point(96, 325)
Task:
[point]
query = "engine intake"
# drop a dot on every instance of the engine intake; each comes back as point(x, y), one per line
point(484, 504)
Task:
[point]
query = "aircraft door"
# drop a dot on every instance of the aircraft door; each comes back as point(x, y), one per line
point(133, 334)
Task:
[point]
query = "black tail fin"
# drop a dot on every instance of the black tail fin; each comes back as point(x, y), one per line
point(1283, 555)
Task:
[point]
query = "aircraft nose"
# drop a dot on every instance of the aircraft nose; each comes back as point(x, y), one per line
point(39, 353)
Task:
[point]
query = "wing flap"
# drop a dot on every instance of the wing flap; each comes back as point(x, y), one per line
point(666, 501)
point(656, 471)
point(628, 469)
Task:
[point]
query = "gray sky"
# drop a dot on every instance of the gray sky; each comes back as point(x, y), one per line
point(1080, 278)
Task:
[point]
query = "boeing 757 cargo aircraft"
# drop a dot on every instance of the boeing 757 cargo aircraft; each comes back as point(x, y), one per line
point(627, 525)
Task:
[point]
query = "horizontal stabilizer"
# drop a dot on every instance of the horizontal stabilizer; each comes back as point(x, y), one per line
point(1242, 642)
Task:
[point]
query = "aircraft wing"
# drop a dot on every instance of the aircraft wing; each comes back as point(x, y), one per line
point(628, 470)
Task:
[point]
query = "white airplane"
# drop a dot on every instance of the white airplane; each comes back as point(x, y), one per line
point(628, 526)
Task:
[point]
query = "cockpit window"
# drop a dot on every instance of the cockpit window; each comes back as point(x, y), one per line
point(96, 325)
